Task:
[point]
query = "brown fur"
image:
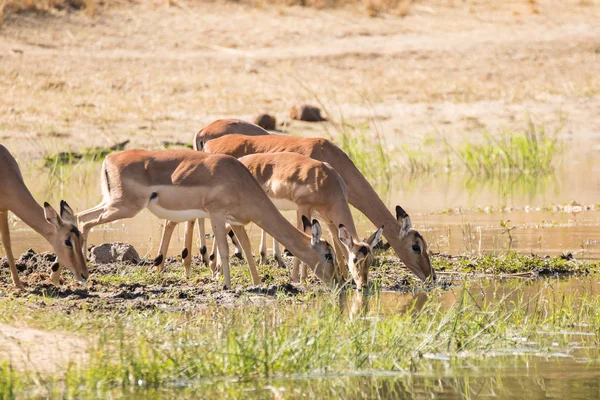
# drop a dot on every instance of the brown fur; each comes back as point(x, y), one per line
point(56, 229)
point(316, 189)
point(180, 180)
point(360, 193)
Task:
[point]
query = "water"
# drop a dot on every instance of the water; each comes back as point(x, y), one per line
point(456, 214)
point(565, 367)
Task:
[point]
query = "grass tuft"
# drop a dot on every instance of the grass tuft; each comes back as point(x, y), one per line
point(532, 152)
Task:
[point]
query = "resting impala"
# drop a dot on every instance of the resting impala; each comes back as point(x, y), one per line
point(408, 244)
point(59, 230)
point(181, 185)
point(296, 182)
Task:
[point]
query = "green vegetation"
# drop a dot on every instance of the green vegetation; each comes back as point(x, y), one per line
point(330, 336)
point(525, 159)
point(89, 154)
point(531, 152)
point(366, 148)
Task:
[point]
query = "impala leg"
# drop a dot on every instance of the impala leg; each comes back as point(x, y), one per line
point(111, 213)
point(238, 247)
point(341, 253)
point(263, 248)
point(5, 235)
point(159, 261)
point(277, 253)
point(242, 235)
point(202, 234)
point(187, 251)
point(85, 217)
point(218, 225)
point(213, 256)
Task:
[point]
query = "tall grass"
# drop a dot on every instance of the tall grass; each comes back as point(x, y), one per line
point(151, 349)
point(366, 147)
point(531, 152)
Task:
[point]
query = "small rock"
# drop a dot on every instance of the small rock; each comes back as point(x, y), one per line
point(108, 253)
point(306, 112)
point(266, 121)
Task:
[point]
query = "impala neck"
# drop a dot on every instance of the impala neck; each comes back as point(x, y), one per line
point(340, 214)
point(275, 224)
point(362, 196)
point(30, 212)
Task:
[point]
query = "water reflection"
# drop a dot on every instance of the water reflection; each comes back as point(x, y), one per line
point(482, 292)
point(530, 377)
point(541, 232)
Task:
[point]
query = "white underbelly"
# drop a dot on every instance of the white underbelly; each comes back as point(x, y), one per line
point(284, 204)
point(176, 215)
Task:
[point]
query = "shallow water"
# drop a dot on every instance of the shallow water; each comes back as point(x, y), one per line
point(456, 214)
point(565, 367)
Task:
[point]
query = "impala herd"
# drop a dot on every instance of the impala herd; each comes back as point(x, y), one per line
point(237, 173)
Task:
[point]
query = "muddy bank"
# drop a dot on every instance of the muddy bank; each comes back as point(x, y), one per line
point(126, 286)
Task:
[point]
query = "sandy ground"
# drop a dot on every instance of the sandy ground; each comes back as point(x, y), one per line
point(152, 73)
point(41, 351)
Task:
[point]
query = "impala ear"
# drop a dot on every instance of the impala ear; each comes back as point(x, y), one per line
point(52, 216)
point(316, 232)
point(375, 238)
point(345, 236)
point(67, 214)
point(404, 219)
point(306, 224)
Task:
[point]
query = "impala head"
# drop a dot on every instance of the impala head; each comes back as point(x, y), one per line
point(67, 242)
point(360, 254)
point(324, 249)
point(414, 246)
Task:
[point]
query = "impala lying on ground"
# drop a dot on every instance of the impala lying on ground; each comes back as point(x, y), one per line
point(408, 244)
point(181, 185)
point(59, 230)
point(312, 188)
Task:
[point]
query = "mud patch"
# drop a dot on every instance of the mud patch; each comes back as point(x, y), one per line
point(121, 287)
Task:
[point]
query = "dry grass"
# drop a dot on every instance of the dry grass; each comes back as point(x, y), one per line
point(373, 8)
point(15, 6)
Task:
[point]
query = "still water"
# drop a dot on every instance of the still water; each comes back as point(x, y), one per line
point(456, 214)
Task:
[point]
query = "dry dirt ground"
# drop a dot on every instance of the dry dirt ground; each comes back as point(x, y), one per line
point(151, 73)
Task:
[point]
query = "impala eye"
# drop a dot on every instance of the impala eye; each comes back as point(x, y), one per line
point(329, 257)
point(68, 243)
point(416, 248)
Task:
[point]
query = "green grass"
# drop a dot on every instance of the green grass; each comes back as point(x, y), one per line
point(137, 351)
point(531, 152)
point(501, 161)
point(366, 147)
point(89, 154)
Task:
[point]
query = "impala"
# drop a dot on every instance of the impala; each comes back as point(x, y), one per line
point(59, 230)
point(211, 131)
point(181, 185)
point(296, 182)
point(312, 188)
point(408, 244)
